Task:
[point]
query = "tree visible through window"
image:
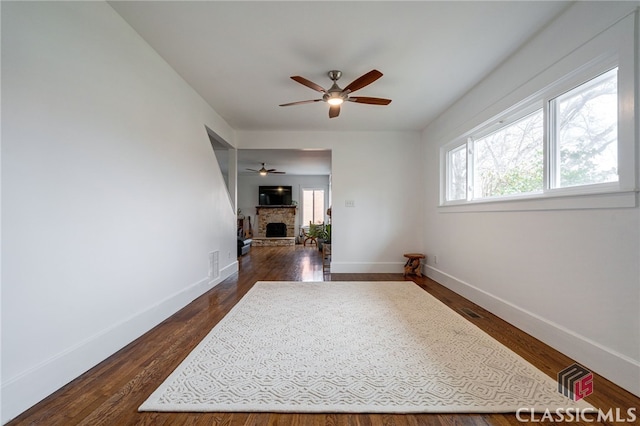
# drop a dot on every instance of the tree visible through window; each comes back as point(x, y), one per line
point(587, 132)
point(582, 127)
point(457, 173)
point(510, 161)
point(312, 206)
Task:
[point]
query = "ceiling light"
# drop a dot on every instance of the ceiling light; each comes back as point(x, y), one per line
point(336, 96)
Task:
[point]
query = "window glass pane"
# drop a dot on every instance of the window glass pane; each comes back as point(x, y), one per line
point(587, 132)
point(318, 206)
point(307, 207)
point(312, 206)
point(457, 173)
point(510, 160)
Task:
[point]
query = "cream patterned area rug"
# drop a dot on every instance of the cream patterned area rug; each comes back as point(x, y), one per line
point(352, 347)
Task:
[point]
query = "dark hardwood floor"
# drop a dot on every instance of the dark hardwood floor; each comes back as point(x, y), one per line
point(110, 393)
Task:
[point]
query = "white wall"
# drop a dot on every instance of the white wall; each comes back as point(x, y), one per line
point(382, 173)
point(111, 195)
point(248, 192)
point(569, 277)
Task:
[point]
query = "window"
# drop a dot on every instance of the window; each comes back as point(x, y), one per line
point(586, 136)
point(312, 206)
point(572, 136)
point(457, 173)
point(510, 161)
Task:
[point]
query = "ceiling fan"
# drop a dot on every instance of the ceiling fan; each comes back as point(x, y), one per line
point(336, 96)
point(263, 171)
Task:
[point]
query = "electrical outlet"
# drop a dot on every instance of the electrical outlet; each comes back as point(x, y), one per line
point(435, 259)
point(349, 203)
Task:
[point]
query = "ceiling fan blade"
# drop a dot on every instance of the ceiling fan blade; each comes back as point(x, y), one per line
point(278, 173)
point(254, 170)
point(368, 100)
point(309, 84)
point(301, 102)
point(334, 111)
point(271, 170)
point(363, 81)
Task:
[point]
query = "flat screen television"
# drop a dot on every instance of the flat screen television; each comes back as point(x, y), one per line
point(274, 195)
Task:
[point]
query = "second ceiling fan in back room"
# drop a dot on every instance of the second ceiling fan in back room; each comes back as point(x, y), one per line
point(336, 96)
point(264, 171)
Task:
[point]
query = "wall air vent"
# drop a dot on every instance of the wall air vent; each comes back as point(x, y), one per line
point(214, 264)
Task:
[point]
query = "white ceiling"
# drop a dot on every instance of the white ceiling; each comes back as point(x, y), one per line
point(239, 55)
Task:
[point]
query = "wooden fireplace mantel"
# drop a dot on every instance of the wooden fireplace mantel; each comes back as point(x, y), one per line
point(284, 206)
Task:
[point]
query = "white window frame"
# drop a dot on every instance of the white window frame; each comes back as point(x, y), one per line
point(581, 66)
point(464, 147)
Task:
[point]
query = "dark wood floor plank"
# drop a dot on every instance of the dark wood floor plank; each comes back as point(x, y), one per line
point(111, 392)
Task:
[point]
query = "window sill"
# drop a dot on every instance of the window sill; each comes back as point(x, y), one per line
point(550, 201)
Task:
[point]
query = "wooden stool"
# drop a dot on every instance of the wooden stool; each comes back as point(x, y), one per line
point(413, 264)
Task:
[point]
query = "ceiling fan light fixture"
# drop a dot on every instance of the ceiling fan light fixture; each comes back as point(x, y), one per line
point(336, 96)
point(264, 171)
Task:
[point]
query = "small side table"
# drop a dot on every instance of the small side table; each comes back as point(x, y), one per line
point(412, 267)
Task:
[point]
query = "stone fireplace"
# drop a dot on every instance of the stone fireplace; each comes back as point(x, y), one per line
point(275, 226)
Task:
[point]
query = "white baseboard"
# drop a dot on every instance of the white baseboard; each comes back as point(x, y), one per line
point(33, 385)
point(225, 273)
point(367, 267)
point(620, 369)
